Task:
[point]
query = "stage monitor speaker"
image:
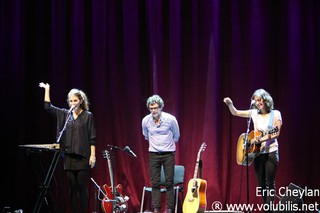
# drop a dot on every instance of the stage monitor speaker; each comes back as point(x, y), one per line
point(289, 202)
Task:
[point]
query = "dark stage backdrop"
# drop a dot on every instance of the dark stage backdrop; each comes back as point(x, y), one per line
point(192, 53)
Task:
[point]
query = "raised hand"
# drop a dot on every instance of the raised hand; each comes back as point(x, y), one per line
point(44, 85)
point(227, 101)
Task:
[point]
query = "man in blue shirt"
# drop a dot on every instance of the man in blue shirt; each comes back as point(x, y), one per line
point(161, 130)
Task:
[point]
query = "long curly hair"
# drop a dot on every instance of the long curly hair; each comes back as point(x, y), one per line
point(84, 103)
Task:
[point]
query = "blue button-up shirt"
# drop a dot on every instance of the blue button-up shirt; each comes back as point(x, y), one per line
point(163, 136)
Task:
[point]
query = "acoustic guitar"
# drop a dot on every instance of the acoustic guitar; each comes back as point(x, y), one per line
point(252, 147)
point(195, 200)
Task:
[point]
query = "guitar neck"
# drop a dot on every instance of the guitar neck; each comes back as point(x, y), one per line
point(197, 166)
point(107, 155)
point(110, 173)
point(196, 170)
point(203, 146)
point(269, 131)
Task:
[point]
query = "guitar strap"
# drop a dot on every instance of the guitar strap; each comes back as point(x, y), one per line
point(271, 119)
point(270, 125)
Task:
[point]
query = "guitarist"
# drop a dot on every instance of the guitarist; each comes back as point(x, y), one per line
point(264, 117)
point(161, 130)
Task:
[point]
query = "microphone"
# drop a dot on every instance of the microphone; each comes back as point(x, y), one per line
point(114, 147)
point(252, 104)
point(129, 151)
point(71, 109)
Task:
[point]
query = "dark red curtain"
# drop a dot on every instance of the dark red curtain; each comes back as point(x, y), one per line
point(192, 53)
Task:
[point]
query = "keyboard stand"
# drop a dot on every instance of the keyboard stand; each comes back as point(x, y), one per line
point(44, 187)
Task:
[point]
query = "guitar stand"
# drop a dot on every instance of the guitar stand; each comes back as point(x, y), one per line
point(118, 204)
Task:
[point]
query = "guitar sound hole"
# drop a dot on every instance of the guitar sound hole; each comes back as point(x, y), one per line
point(193, 189)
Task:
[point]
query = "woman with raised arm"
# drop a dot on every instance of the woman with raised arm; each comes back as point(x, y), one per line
point(77, 141)
point(264, 119)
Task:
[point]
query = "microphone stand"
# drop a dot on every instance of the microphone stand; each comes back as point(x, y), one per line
point(247, 150)
point(51, 170)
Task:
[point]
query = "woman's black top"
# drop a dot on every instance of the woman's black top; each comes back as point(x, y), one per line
point(78, 136)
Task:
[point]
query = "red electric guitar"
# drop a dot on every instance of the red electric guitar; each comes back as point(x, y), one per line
point(111, 191)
